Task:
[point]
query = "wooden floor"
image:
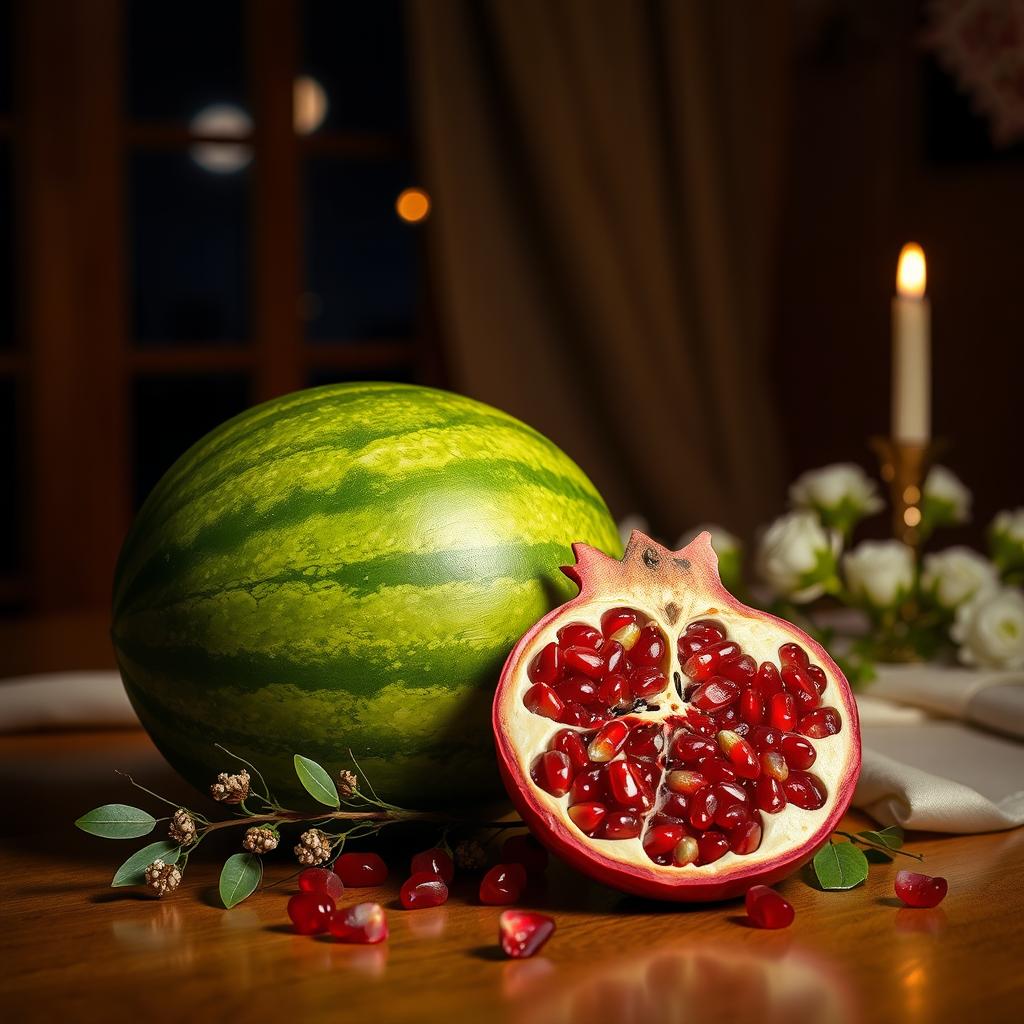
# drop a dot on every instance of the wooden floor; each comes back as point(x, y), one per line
point(72, 949)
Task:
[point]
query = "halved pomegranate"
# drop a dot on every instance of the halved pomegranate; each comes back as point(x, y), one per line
point(668, 740)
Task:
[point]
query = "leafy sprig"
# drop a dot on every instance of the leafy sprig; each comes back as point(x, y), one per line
point(844, 865)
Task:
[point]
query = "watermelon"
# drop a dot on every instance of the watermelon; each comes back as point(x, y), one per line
point(346, 568)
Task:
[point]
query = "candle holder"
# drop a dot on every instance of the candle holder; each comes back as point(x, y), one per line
point(903, 467)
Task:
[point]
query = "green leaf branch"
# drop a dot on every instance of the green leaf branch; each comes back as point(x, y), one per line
point(840, 866)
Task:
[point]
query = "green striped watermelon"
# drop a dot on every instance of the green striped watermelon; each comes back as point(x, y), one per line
point(347, 567)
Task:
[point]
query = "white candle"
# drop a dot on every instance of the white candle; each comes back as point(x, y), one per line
point(911, 350)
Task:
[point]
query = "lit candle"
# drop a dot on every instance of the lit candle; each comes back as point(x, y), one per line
point(911, 350)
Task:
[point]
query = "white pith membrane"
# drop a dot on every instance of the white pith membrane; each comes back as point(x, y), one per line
point(673, 600)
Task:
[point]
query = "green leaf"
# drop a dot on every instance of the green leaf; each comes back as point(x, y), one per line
point(239, 877)
point(133, 870)
point(317, 783)
point(877, 856)
point(840, 866)
point(117, 821)
point(891, 838)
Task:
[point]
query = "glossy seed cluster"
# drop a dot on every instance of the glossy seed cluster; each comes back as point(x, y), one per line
point(691, 782)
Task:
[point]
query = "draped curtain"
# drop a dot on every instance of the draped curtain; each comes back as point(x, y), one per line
point(605, 179)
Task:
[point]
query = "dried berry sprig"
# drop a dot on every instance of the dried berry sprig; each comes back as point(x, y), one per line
point(353, 812)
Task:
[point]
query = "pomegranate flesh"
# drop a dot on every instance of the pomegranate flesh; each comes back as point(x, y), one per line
point(718, 746)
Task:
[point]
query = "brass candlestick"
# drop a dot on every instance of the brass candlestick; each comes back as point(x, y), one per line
point(903, 466)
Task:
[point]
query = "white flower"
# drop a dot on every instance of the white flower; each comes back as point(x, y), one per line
point(1006, 540)
point(841, 494)
point(797, 556)
point(1010, 524)
point(945, 499)
point(630, 523)
point(727, 546)
point(990, 629)
point(880, 572)
point(956, 575)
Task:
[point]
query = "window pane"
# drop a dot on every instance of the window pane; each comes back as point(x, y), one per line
point(356, 51)
point(361, 258)
point(172, 412)
point(6, 249)
point(404, 374)
point(10, 488)
point(189, 239)
point(184, 56)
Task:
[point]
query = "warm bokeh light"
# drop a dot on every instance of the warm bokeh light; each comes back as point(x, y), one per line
point(413, 205)
point(912, 516)
point(309, 105)
point(910, 273)
point(221, 157)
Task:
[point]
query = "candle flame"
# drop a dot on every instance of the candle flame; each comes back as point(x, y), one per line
point(910, 273)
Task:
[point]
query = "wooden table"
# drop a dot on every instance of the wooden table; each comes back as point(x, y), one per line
point(74, 950)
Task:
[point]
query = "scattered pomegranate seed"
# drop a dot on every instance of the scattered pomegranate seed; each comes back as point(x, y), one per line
point(608, 741)
point(310, 912)
point(740, 753)
point(365, 924)
point(547, 666)
point(646, 742)
point(774, 764)
point(587, 817)
point(568, 742)
point(782, 711)
point(770, 795)
point(504, 883)
point(917, 890)
point(793, 654)
point(820, 723)
point(524, 849)
point(322, 880)
point(357, 869)
point(543, 701)
point(681, 781)
point(711, 846)
point(805, 790)
point(797, 751)
point(552, 771)
point(621, 825)
point(521, 934)
point(767, 909)
point(579, 634)
point(705, 663)
point(421, 890)
point(703, 807)
point(434, 862)
point(662, 839)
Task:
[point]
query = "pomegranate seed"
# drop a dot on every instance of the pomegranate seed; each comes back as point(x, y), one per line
point(676, 806)
point(552, 771)
point(433, 862)
point(579, 634)
point(820, 723)
point(703, 807)
point(751, 706)
point(618, 618)
point(686, 852)
point(542, 700)
point(774, 764)
point(310, 912)
point(740, 669)
point(805, 791)
point(614, 655)
point(770, 795)
point(585, 661)
point(365, 923)
point(687, 646)
point(614, 690)
point(358, 869)
point(729, 816)
point(729, 718)
point(763, 737)
point(685, 782)
point(547, 666)
point(504, 883)
point(793, 654)
point(797, 751)
point(767, 909)
point(716, 771)
point(647, 682)
point(322, 880)
point(578, 690)
point(422, 890)
point(521, 933)
point(700, 723)
point(782, 711)
point(705, 663)
point(711, 846)
point(649, 649)
point(524, 849)
point(715, 693)
point(740, 753)
point(587, 816)
point(689, 748)
point(746, 837)
point(731, 793)
point(707, 629)
point(621, 825)
point(768, 680)
point(588, 787)
point(817, 673)
point(917, 890)
point(626, 785)
point(801, 686)
point(646, 742)
point(608, 741)
point(568, 742)
point(577, 714)
point(662, 839)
